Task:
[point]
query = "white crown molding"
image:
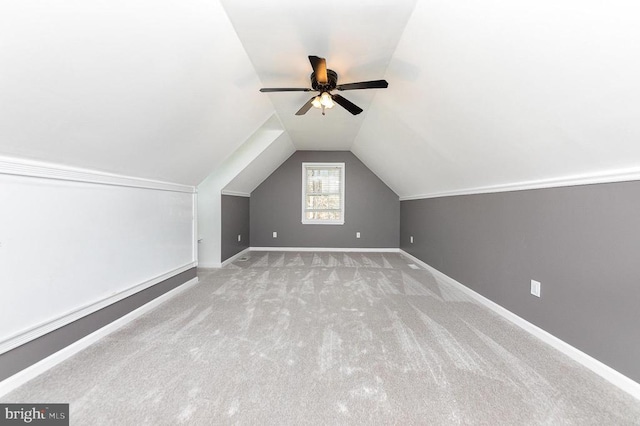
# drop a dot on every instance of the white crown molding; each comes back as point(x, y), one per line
point(616, 378)
point(39, 330)
point(625, 175)
point(235, 193)
point(30, 168)
point(67, 352)
point(329, 249)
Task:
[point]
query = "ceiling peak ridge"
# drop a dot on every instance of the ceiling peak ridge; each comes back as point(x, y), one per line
point(384, 75)
point(244, 48)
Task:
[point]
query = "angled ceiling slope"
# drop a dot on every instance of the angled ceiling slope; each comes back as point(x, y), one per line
point(155, 89)
point(251, 162)
point(261, 167)
point(492, 94)
point(357, 38)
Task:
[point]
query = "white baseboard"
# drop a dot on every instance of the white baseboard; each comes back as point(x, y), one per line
point(306, 249)
point(41, 329)
point(328, 249)
point(202, 265)
point(67, 352)
point(616, 378)
point(235, 256)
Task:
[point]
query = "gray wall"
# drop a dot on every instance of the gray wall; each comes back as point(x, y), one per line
point(23, 356)
point(582, 243)
point(371, 207)
point(235, 221)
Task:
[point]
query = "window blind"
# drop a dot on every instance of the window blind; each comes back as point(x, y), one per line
point(323, 193)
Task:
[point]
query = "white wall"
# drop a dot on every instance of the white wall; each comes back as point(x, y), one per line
point(72, 241)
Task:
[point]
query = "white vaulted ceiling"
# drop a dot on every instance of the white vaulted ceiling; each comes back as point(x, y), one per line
point(481, 93)
point(157, 89)
point(489, 94)
point(356, 37)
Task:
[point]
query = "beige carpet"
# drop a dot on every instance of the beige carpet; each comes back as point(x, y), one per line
point(325, 338)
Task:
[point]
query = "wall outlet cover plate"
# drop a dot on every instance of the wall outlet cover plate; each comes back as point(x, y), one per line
point(535, 288)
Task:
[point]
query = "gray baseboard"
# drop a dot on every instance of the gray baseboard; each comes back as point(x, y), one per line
point(36, 350)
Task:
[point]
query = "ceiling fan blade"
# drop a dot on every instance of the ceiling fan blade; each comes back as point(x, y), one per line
point(286, 89)
point(306, 107)
point(320, 68)
point(346, 104)
point(375, 84)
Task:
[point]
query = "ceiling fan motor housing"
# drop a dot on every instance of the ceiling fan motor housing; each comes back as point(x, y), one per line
point(332, 82)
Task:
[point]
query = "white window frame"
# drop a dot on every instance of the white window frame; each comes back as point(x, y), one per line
point(304, 193)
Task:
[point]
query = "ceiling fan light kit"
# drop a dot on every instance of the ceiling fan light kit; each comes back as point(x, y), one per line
point(322, 101)
point(324, 81)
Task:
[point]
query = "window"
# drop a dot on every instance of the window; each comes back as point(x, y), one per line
point(323, 193)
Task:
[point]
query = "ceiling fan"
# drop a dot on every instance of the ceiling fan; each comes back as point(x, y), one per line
point(323, 81)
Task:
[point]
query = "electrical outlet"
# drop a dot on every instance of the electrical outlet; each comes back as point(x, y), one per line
point(357, 235)
point(239, 237)
point(275, 234)
point(411, 239)
point(535, 288)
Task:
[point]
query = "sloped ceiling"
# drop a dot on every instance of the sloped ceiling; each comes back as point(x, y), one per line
point(483, 93)
point(156, 89)
point(491, 93)
point(261, 167)
point(356, 37)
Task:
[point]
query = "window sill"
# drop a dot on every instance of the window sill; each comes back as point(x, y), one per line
point(321, 222)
